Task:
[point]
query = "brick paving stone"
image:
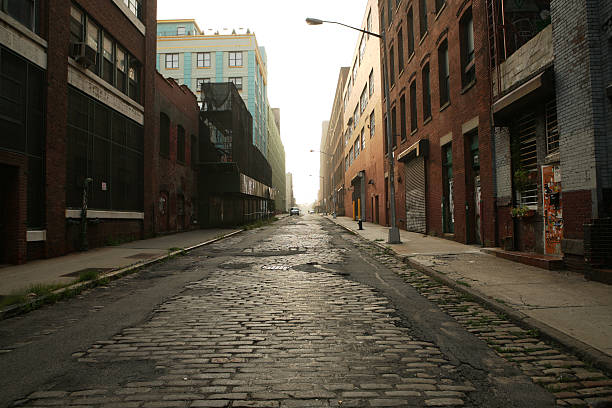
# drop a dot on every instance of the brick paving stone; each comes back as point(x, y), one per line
point(444, 402)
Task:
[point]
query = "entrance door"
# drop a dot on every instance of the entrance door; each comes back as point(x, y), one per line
point(448, 208)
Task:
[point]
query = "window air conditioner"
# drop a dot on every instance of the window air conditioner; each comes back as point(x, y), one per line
point(83, 54)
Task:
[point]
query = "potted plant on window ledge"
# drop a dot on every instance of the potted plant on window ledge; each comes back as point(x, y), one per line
point(522, 212)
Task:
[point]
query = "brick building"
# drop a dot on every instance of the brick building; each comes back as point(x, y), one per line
point(364, 191)
point(438, 70)
point(175, 158)
point(553, 118)
point(74, 115)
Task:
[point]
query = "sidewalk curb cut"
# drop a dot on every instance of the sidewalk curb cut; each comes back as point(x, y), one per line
point(22, 308)
point(588, 353)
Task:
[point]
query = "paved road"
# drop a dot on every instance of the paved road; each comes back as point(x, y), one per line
point(298, 314)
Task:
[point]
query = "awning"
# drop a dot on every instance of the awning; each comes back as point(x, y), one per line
point(536, 88)
point(418, 149)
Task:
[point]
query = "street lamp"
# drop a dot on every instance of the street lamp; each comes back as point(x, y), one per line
point(394, 235)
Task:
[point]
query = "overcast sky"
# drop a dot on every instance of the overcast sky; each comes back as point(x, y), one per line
point(303, 64)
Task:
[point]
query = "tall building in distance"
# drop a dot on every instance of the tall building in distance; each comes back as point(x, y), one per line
point(276, 158)
point(192, 57)
point(289, 191)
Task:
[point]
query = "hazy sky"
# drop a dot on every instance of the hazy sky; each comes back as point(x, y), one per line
point(303, 64)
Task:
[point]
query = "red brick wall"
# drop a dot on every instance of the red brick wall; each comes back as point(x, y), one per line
point(577, 211)
point(169, 175)
point(464, 105)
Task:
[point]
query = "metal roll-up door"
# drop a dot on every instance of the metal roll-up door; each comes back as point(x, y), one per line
point(414, 176)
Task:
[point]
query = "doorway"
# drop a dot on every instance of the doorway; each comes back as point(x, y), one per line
point(376, 206)
point(9, 213)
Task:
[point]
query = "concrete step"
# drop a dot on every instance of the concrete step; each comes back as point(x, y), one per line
point(550, 262)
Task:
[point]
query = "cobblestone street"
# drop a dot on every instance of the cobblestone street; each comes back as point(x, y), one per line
point(279, 317)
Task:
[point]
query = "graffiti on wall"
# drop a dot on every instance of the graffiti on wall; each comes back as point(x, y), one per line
point(553, 211)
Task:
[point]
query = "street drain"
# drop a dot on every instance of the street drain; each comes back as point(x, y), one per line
point(275, 267)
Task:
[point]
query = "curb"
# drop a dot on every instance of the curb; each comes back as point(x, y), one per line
point(587, 353)
point(23, 308)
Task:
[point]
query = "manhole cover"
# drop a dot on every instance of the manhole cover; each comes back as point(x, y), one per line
point(275, 267)
point(86, 270)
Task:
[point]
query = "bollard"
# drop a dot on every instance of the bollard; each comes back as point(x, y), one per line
point(360, 224)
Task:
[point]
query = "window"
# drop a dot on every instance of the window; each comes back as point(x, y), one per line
point(413, 108)
point(203, 59)
point(135, 7)
point(351, 156)
point(371, 83)
point(423, 17)
point(235, 59)
point(172, 61)
point(400, 51)
point(369, 23)
point(76, 25)
point(201, 81)
point(410, 19)
point(120, 63)
point(346, 163)
point(403, 117)
point(349, 88)
point(108, 70)
point(363, 100)
point(356, 147)
point(372, 124)
point(391, 67)
point(439, 4)
point(92, 41)
point(355, 67)
point(552, 131)
point(362, 46)
point(443, 73)
point(180, 144)
point(393, 127)
point(362, 138)
point(164, 135)
point(389, 11)
point(24, 11)
point(134, 79)
point(466, 32)
point(237, 81)
point(180, 30)
point(426, 93)
point(355, 117)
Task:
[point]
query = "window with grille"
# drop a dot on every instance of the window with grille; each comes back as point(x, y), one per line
point(371, 83)
point(362, 138)
point(552, 131)
point(372, 124)
point(237, 81)
point(172, 61)
point(203, 59)
point(235, 59)
point(362, 46)
point(363, 100)
point(180, 30)
point(528, 157)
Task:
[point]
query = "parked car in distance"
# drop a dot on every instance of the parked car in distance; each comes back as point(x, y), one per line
point(294, 211)
point(311, 212)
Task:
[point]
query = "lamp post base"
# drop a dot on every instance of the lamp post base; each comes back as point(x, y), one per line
point(394, 236)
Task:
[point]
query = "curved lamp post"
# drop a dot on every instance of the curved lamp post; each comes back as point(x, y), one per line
point(394, 235)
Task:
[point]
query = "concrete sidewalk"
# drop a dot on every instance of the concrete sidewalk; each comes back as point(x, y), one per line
point(562, 304)
point(65, 269)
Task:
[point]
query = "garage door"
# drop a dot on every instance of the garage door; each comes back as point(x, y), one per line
point(414, 176)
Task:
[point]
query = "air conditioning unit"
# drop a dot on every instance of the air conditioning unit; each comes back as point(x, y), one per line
point(83, 54)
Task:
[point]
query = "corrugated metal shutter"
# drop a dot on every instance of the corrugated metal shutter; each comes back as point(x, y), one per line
point(414, 177)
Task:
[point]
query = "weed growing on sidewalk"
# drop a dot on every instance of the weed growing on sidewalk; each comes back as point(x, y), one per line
point(88, 275)
point(259, 223)
point(463, 283)
point(30, 293)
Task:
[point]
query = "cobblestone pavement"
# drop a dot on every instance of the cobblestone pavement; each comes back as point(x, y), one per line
point(574, 383)
point(278, 323)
